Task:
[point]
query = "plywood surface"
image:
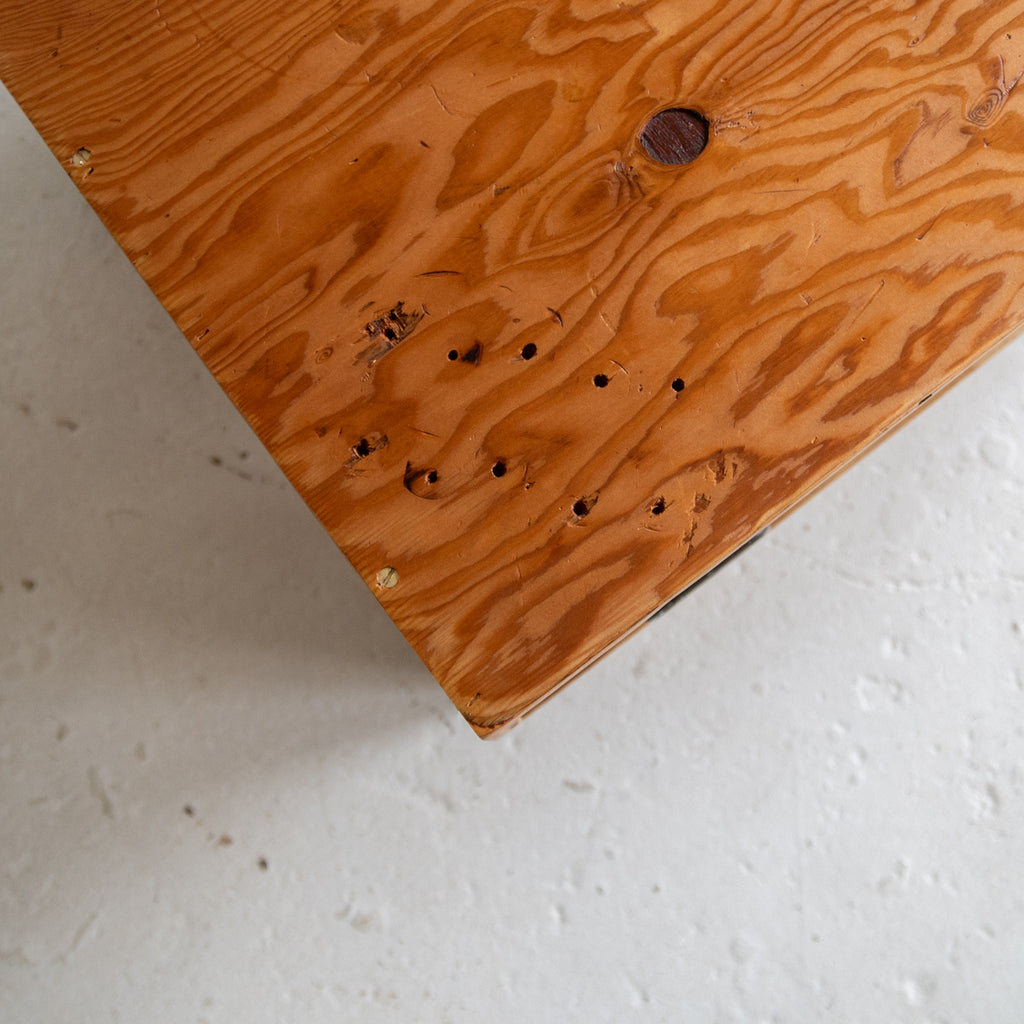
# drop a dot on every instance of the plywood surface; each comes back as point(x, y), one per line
point(533, 381)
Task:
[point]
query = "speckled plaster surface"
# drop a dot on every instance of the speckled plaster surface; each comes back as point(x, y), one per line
point(229, 792)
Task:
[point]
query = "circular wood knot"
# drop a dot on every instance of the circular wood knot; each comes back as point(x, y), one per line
point(988, 108)
point(675, 136)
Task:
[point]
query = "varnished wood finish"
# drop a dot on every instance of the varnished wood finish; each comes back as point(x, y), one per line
point(533, 381)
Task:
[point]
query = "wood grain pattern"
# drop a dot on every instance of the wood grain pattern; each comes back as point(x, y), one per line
point(542, 379)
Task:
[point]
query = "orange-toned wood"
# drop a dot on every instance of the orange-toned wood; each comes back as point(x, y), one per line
point(533, 380)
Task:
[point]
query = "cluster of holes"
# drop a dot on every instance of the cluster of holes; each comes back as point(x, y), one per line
point(582, 506)
point(529, 350)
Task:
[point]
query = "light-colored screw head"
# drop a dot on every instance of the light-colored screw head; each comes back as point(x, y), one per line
point(387, 578)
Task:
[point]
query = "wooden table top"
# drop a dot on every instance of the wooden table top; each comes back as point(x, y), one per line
point(533, 379)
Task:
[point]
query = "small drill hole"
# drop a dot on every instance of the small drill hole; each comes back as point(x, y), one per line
point(363, 448)
point(432, 476)
point(601, 381)
point(499, 469)
point(580, 508)
point(658, 507)
point(529, 351)
point(453, 355)
point(678, 384)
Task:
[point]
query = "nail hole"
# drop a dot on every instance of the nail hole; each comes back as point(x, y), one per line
point(678, 384)
point(453, 355)
point(675, 136)
point(420, 482)
point(581, 506)
point(600, 381)
point(499, 469)
point(387, 578)
point(658, 507)
point(529, 351)
point(363, 448)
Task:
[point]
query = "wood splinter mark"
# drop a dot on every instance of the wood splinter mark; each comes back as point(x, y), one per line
point(389, 328)
point(437, 96)
point(717, 468)
point(365, 447)
point(556, 316)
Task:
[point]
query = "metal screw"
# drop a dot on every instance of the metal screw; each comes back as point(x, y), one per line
point(387, 578)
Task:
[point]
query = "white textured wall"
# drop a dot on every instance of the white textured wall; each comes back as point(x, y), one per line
point(798, 797)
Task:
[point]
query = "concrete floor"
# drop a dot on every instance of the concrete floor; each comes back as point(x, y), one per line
point(229, 792)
